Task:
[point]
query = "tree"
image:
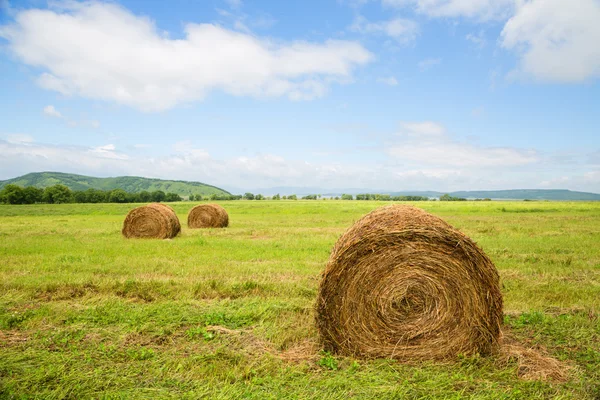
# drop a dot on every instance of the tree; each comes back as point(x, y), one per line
point(259, 197)
point(347, 197)
point(158, 196)
point(57, 194)
point(292, 197)
point(172, 197)
point(117, 196)
point(284, 197)
point(144, 196)
point(79, 196)
point(95, 196)
point(277, 197)
point(13, 194)
point(248, 196)
point(447, 197)
point(32, 195)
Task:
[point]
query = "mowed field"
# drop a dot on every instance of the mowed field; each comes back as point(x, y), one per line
point(228, 313)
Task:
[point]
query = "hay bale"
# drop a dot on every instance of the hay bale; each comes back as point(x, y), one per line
point(155, 220)
point(403, 284)
point(208, 216)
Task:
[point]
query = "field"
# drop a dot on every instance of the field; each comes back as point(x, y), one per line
point(222, 314)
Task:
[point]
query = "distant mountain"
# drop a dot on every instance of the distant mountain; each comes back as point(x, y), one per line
point(517, 194)
point(131, 184)
point(531, 194)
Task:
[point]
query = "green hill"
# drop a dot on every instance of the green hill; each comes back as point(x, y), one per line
point(132, 184)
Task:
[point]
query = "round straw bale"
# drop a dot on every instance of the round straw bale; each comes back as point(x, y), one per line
point(403, 284)
point(155, 220)
point(208, 216)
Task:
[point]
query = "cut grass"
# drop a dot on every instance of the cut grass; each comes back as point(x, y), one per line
point(228, 313)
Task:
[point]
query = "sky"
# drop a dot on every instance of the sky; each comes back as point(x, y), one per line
point(376, 94)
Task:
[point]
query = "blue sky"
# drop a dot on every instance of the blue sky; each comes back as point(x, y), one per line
point(375, 94)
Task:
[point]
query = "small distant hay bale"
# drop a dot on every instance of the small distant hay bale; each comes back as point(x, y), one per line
point(156, 220)
point(208, 216)
point(403, 284)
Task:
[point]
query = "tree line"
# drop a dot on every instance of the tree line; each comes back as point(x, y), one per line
point(14, 194)
point(57, 194)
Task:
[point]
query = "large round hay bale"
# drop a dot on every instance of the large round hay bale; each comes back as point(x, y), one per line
point(208, 216)
point(403, 284)
point(155, 220)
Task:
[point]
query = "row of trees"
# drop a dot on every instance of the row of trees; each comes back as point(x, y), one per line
point(14, 194)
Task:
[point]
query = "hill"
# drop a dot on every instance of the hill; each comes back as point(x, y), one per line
point(132, 184)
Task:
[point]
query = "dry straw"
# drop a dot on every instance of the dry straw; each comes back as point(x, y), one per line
point(208, 216)
point(155, 220)
point(402, 283)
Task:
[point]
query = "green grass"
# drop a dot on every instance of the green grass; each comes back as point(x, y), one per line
point(85, 313)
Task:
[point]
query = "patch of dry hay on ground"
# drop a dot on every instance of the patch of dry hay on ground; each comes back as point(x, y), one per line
point(532, 363)
point(208, 216)
point(403, 284)
point(156, 220)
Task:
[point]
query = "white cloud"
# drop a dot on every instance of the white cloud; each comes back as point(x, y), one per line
point(390, 80)
point(457, 154)
point(428, 63)
point(235, 4)
point(427, 143)
point(402, 30)
point(592, 177)
point(19, 138)
point(482, 10)
point(108, 151)
point(557, 40)
point(421, 129)
point(52, 112)
point(425, 162)
point(103, 51)
point(478, 39)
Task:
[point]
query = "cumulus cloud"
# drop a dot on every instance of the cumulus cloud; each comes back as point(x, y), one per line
point(103, 51)
point(477, 9)
point(52, 112)
point(402, 30)
point(428, 143)
point(557, 40)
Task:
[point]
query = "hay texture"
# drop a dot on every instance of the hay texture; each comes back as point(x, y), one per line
point(156, 220)
point(208, 216)
point(403, 284)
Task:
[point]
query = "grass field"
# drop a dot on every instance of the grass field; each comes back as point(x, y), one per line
point(221, 314)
